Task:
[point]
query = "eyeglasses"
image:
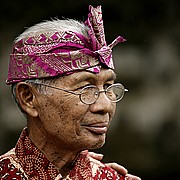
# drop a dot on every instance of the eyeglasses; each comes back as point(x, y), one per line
point(90, 94)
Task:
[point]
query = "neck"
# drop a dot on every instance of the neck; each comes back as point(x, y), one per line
point(62, 158)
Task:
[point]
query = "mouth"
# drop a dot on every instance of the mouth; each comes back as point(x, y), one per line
point(97, 128)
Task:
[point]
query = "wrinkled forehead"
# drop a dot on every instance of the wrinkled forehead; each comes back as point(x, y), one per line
point(79, 77)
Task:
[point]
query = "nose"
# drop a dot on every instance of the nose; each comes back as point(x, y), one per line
point(103, 104)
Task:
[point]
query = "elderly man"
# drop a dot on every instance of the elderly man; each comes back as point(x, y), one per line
point(62, 78)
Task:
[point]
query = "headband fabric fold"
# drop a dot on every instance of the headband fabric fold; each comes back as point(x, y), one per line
point(64, 52)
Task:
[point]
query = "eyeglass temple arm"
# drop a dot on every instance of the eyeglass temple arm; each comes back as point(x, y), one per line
point(68, 91)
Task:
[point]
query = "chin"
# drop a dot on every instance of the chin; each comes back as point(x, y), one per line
point(97, 144)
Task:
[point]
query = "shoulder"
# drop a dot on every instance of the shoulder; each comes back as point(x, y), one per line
point(87, 167)
point(8, 154)
point(9, 166)
point(102, 171)
point(7, 157)
point(5, 162)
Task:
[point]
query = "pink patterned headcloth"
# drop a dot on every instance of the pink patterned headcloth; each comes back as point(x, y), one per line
point(63, 52)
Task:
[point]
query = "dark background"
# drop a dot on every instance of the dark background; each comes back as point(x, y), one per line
point(145, 133)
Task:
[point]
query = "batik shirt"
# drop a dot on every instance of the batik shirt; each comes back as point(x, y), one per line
point(26, 161)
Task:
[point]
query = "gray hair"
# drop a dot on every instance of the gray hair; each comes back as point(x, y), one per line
point(54, 25)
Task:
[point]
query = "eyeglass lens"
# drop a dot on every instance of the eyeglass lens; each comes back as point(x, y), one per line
point(115, 92)
point(90, 94)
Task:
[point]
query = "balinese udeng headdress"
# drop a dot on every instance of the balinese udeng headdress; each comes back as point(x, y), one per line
point(63, 52)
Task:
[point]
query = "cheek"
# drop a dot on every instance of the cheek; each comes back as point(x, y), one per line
point(71, 109)
point(60, 114)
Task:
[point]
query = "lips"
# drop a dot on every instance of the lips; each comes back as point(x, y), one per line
point(97, 128)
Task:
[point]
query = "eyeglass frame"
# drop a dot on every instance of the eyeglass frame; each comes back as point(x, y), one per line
point(80, 93)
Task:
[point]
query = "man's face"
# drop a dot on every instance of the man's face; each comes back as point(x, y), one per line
point(68, 122)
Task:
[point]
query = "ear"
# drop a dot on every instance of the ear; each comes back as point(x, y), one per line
point(26, 97)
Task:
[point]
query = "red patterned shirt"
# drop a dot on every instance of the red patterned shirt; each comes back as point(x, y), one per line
point(26, 161)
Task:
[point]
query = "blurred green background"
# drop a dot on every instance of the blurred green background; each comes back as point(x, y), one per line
point(145, 133)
